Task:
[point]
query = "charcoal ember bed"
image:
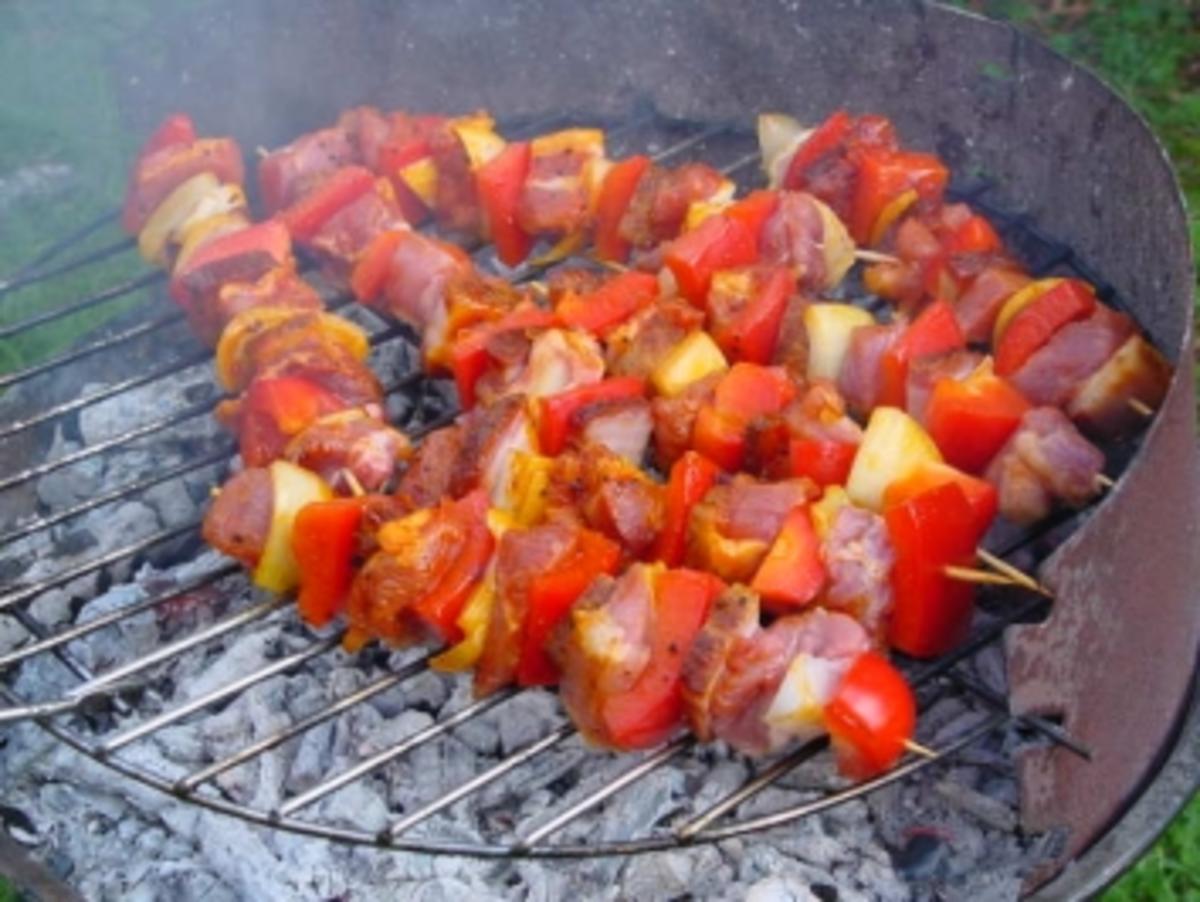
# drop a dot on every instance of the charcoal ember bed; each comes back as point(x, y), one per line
point(100, 556)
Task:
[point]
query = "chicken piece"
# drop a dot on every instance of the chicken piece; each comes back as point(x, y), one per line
point(554, 199)
point(660, 202)
point(244, 255)
point(280, 287)
point(457, 204)
point(732, 528)
point(791, 350)
point(521, 555)
point(734, 617)
point(1046, 460)
point(156, 174)
point(431, 472)
point(800, 235)
point(819, 414)
point(977, 308)
point(287, 174)
point(675, 417)
point(1107, 403)
point(351, 442)
point(471, 299)
point(859, 558)
point(368, 129)
point(637, 346)
point(418, 273)
point(759, 689)
point(557, 360)
point(491, 438)
point(239, 520)
point(343, 237)
point(603, 646)
point(1054, 372)
point(610, 495)
point(860, 378)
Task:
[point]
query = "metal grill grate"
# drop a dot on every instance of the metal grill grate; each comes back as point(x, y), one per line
point(106, 715)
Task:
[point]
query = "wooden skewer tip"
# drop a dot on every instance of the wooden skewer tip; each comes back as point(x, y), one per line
point(356, 487)
point(980, 577)
point(1105, 482)
point(1017, 575)
point(874, 256)
point(917, 749)
point(1140, 407)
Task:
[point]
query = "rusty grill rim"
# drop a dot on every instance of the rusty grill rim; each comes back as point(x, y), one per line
point(697, 828)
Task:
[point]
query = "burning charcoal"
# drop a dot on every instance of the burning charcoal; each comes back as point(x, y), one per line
point(921, 855)
point(357, 806)
point(527, 718)
point(781, 889)
point(992, 812)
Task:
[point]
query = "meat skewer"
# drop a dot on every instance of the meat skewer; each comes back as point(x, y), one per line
point(688, 278)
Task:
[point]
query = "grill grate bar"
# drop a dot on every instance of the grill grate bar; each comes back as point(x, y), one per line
point(86, 303)
point(787, 815)
point(480, 780)
point(417, 739)
point(104, 344)
point(117, 494)
point(1047, 728)
point(283, 665)
point(191, 781)
point(117, 388)
point(55, 248)
point(83, 629)
point(78, 262)
point(166, 652)
point(28, 593)
point(646, 766)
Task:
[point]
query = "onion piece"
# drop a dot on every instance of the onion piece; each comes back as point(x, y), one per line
point(779, 136)
point(292, 487)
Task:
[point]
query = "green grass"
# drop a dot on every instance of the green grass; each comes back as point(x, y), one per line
point(1150, 52)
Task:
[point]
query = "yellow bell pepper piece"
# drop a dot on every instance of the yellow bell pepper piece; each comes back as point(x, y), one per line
point(583, 141)
point(292, 487)
point(421, 178)
point(1018, 302)
point(692, 359)
point(837, 246)
point(894, 445)
point(172, 212)
point(830, 327)
point(527, 493)
point(824, 510)
point(478, 135)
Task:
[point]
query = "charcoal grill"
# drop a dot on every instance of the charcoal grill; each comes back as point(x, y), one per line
point(1013, 120)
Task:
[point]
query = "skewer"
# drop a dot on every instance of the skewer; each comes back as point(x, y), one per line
point(1104, 482)
point(1014, 573)
point(356, 487)
point(1138, 406)
point(917, 749)
point(867, 256)
point(982, 577)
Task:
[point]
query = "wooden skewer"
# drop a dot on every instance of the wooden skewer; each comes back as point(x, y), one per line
point(540, 288)
point(874, 256)
point(982, 577)
point(917, 749)
point(214, 491)
point(613, 265)
point(1017, 575)
point(356, 487)
point(1140, 407)
point(1105, 482)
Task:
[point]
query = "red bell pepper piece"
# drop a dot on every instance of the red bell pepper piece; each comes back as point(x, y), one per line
point(980, 494)
point(550, 597)
point(931, 612)
point(175, 129)
point(975, 236)
point(793, 572)
point(720, 242)
point(825, 139)
point(754, 210)
point(885, 174)
point(935, 331)
point(371, 270)
point(870, 717)
point(559, 412)
point(652, 708)
point(619, 185)
point(305, 217)
point(745, 392)
point(469, 356)
point(970, 420)
point(324, 538)
point(499, 182)
point(692, 475)
point(276, 409)
point(440, 608)
point(242, 256)
point(1030, 329)
point(752, 334)
point(611, 304)
point(824, 461)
